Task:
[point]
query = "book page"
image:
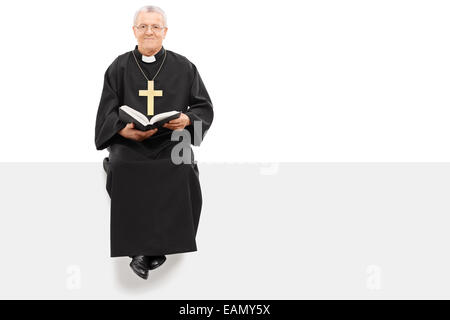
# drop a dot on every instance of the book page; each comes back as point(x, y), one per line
point(136, 115)
point(162, 116)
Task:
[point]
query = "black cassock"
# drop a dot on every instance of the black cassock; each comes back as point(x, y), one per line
point(155, 203)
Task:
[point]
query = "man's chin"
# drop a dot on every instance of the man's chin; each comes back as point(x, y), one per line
point(147, 45)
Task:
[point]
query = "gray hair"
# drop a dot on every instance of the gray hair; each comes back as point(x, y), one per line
point(151, 9)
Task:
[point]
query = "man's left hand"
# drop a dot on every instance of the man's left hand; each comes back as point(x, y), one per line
point(178, 123)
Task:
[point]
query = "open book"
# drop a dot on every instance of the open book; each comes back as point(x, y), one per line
point(141, 122)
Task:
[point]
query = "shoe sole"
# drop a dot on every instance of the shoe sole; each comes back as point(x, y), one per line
point(138, 274)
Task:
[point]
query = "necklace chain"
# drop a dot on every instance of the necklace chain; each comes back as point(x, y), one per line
point(143, 70)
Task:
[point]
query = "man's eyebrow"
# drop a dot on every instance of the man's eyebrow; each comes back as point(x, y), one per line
point(150, 24)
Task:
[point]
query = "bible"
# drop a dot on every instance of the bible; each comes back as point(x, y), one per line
point(141, 122)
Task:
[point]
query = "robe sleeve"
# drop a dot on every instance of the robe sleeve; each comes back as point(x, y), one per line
point(200, 109)
point(108, 124)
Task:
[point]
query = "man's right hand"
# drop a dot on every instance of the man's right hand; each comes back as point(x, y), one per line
point(130, 133)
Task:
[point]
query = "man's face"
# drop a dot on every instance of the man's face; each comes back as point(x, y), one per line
point(148, 38)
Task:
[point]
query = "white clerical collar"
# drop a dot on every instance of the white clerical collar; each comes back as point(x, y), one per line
point(148, 59)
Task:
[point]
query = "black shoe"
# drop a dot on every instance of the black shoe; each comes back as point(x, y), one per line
point(139, 265)
point(106, 164)
point(155, 261)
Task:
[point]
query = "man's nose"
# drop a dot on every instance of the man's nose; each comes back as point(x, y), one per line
point(148, 31)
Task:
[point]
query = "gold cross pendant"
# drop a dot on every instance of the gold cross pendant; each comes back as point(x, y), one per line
point(150, 93)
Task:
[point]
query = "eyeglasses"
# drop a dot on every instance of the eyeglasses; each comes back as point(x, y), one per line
point(154, 27)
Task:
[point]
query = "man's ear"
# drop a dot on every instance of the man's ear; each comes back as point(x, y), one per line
point(165, 31)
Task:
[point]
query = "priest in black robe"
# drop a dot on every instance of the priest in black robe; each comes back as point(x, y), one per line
point(155, 201)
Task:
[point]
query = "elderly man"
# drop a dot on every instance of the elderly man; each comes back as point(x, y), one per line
point(155, 201)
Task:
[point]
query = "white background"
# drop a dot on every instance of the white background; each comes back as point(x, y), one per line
point(300, 81)
point(289, 80)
